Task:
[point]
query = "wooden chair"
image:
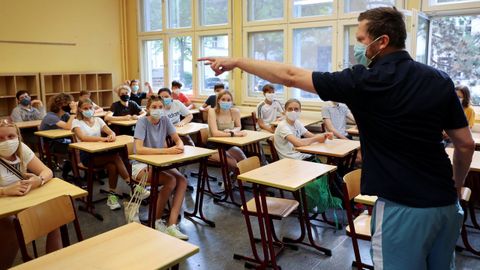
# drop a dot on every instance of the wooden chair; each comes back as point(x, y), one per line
point(39, 220)
point(464, 200)
point(278, 208)
point(358, 228)
point(254, 120)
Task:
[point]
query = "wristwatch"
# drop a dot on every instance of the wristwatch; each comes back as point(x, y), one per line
point(232, 134)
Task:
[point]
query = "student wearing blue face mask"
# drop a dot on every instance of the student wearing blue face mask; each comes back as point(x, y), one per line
point(224, 121)
point(138, 94)
point(401, 108)
point(27, 109)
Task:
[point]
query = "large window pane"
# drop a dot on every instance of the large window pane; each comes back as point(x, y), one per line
point(212, 46)
point(349, 38)
point(309, 8)
point(213, 12)
point(261, 10)
point(422, 39)
point(312, 49)
point(264, 46)
point(361, 5)
point(152, 15)
point(439, 2)
point(179, 13)
point(181, 62)
point(153, 55)
point(454, 49)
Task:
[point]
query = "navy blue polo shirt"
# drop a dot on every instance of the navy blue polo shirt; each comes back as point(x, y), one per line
point(401, 108)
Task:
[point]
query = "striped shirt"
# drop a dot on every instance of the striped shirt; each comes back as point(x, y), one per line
point(269, 113)
point(338, 115)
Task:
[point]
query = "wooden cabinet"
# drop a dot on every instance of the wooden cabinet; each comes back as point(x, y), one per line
point(11, 83)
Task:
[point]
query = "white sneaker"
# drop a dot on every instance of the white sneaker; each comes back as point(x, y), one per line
point(144, 193)
point(160, 225)
point(173, 230)
point(112, 202)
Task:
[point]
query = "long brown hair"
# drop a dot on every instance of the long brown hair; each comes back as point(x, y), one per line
point(58, 101)
point(80, 103)
point(220, 95)
point(466, 94)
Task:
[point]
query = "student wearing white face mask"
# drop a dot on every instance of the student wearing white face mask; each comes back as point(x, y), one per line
point(268, 110)
point(17, 155)
point(290, 131)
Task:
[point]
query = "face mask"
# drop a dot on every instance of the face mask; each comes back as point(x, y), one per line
point(125, 98)
point(270, 96)
point(26, 101)
point(360, 53)
point(135, 88)
point(9, 147)
point(225, 105)
point(293, 115)
point(66, 108)
point(167, 101)
point(156, 113)
point(88, 113)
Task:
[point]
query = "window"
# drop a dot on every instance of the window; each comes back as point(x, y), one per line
point(441, 2)
point(309, 8)
point(448, 5)
point(179, 13)
point(213, 12)
point(349, 40)
point(180, 60)
point(362, 5)
point(455, 45)
point(153, 59)
point(216, 45)
point(266, 45)
point(312, 49)
point(152, 15)
point(423, 30)
point(261, 10)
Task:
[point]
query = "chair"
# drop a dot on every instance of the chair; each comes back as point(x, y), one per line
point(464, 200)
point(358, 228)
point(39, 220)
point(278, 208)
point(254, 120)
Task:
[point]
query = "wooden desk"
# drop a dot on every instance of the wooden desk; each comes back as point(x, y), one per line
point(124, 123)
point(164, 162)
point(366, 199)
point(245, 115)
point(131, 246)
point(474, 166)
point(54, 133)
point(44, 145)
point(119, 145)
point(100, 114)
point(476, 138)
point(353, 131)
point(190, 128)
point(28, 124)
point(251, 140)
point(288, 174)
point(194, 111)
point(55, 187)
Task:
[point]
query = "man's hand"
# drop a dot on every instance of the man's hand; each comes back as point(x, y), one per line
point(219, 64)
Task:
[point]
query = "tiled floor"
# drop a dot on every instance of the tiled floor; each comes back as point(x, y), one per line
point(217, 245)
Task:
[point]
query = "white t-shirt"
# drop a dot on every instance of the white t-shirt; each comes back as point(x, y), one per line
point(177, 108)
point(8, 178)
point(269, 113)
point(95, 130)
point(284, 148)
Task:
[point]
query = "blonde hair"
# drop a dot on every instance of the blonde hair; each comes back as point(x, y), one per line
point(220, 95)
point(19, 153)
point(121, 87)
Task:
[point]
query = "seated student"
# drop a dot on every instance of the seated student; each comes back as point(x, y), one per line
point(173, 110)
point(88, 128)
point(84, 95)
point(150, 134)
point(335, 118)
point(177, 94)
point(17, 154)
point(224, 121)
point(463, 94)
point(138, 94)
point(27, 109)
point(59, 117)
point(289, 133)
point(212, 99)
point(124, 109)
point(268, 110)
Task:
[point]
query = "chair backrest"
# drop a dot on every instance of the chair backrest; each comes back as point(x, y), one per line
point(248, 164)
point(254, 119)
point(352, 183)
point(465, 194)
point(204, 134)
point(39, 220)
point(273, 151)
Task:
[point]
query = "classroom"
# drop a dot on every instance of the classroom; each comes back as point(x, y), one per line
point(240, 134)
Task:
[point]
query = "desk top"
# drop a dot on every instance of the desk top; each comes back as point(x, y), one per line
point(252, 137)
point(54, 133)
point(288, 174)
point(306, 121)
point(55, 187)
point(332, 148)
point(28, 124)
point(365, 199)
point(94, 147)
point(353, 131)
point(189, 153)
point(244, 115)
point(100, 114)
point(476, 138)
point(190, 128)
point(126, 123)
point(131, 246)
point(474, 166)
point(194, 111)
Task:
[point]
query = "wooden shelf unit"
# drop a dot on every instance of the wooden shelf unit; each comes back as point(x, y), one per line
point(99, 84)
point(13, 82)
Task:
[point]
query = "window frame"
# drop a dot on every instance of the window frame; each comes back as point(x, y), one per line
point(200, 27)
point(316, 18)
point(143, 57)
point(194, 56)
point(399, 4)
point(449, 7)
point(140, 26)
point(182, 29)
point(247, 23)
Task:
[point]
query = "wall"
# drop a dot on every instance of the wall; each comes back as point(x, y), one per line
point(94, 25)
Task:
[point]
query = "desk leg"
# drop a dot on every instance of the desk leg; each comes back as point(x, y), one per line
point(268, 227)
point(227, 182)
point(153, 197)
point(89, 204)
point(198, 209)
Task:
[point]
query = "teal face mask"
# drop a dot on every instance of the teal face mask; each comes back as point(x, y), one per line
point(167, 101)
point(225, 105)
point(360, 53)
